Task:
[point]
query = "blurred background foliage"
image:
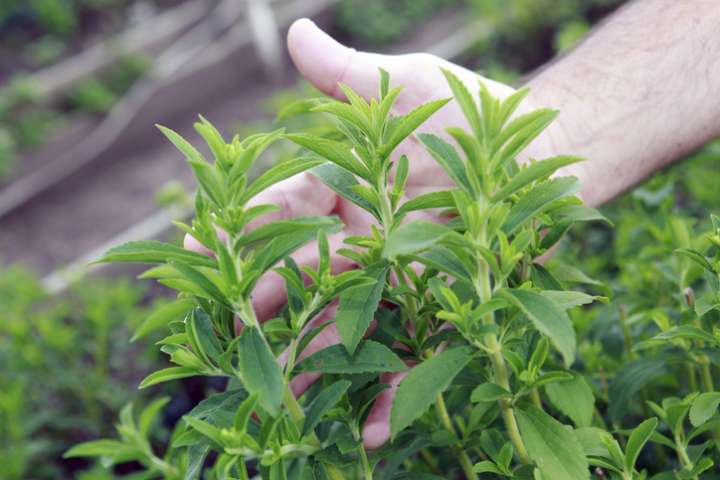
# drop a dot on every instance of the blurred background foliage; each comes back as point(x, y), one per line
point(67, 363)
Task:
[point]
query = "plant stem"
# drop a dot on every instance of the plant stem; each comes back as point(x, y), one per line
point(627, 335)
point(386, 215)
point(334, 473)
point(430, 461)
point(707, 376)
point(465, 462)
point(292, 404)
point(291, 357)
point(367, 469)
point(692, 377)
point(682, 453)
point(483, 289)
point(535, 396)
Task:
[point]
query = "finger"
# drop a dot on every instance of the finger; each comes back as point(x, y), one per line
point(324, 62)
point(376, 430)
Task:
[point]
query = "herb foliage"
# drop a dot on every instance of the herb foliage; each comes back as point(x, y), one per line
point(494, 382)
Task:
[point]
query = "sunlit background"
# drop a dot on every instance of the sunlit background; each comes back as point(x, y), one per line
point(82, 168)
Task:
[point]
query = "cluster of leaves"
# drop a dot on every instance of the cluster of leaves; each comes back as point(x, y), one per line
point(65, 369)
point(461, 309)
point(524, 33)
point(380, 22)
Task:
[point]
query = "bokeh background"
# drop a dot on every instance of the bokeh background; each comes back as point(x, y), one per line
point(82, 82)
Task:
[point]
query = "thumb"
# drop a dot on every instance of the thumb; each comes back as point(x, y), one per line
point(324, 62)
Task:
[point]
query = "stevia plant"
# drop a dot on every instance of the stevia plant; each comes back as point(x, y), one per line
point(493, 385)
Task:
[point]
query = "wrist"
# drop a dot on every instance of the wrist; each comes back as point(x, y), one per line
point(557, 138)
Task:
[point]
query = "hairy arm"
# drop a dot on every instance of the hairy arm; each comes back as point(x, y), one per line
point(641, 91)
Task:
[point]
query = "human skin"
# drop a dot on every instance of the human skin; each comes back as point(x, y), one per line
point(642, 90)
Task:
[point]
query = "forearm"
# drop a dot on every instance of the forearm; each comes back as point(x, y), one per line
point(642, 90)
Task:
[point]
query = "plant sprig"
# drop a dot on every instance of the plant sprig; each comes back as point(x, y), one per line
point(478, 328)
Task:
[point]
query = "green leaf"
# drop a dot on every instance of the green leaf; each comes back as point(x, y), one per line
point(202, 282)
point(487, 466)
point(384, 82)
point(298, 225)
point(447, 157)
point(348, 113)
point(566, 299)
point(520, 132)
point(259, 370)
point(279, 248)
point(593, 441)
point(444, 260)
point(206, 429)
point(439, 199)
point(414, 237)
point(342, 182)
point(547, 317)
point(466, 101)
point(242, 415)
point(574, 398)
point(408, 123)
point(336, 152)
point(704, 407)
point(510, 104)
point(163, 315)
point(167, 374)
point(696, 257)
point(96, 448)
point(300, 106)
point(369, 357)
point(579, 213)
point(152, 251)
point(183, 145)
point(420, 388)
point(631, 378)
point(149, 413)
point(197, 453)
point(552, 445)
point(326, 399)
point(278, 173)
point(637, 440)
point(531, 172)
point(538, 199)
point(687, 332)
point(201, 335)
point(358, 305)
point(220, 408)
point(489, 392)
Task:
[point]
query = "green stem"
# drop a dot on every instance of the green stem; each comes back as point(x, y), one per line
point(334, 473)
point(465, 462)
point(692, 377)
point(430, 461)
point(386, 214)
point(707, 376)
point(292, 404)
point(498, 362)
point(535, 396)
point(367, 469)
point(627, 335)
point(682, 455)
point(291, 357)
point(247, 313)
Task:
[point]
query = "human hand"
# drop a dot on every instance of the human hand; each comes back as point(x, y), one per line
point(326, 63)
